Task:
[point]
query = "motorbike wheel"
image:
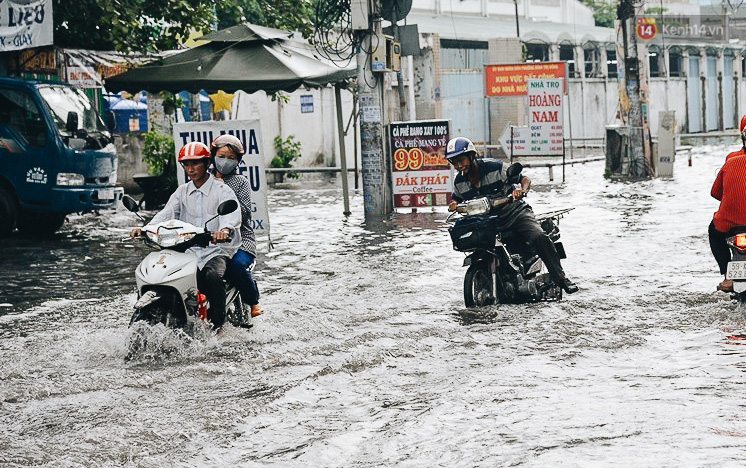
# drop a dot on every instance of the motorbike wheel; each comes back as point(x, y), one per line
point(157, 314)
point(478, 286)
point(237, 314)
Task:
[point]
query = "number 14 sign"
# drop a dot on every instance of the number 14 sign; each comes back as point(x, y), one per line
point(646, 28)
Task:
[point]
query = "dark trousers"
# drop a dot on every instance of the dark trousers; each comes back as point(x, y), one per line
point(239, 274)
point(527, 227)
point(719, 247)
point(210, 282)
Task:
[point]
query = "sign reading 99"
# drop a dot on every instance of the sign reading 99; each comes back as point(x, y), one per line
point(412, 159)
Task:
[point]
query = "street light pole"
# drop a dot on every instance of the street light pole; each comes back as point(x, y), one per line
point(517, 27)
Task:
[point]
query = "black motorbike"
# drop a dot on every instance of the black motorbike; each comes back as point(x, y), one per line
point(502, 267)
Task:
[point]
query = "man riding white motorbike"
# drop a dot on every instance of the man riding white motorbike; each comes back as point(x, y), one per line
point(196, 202)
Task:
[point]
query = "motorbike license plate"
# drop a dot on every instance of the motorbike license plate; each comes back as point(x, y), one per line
point(736, 270)
point(106, 194)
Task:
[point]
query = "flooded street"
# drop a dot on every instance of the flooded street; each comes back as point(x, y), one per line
point(366, 355)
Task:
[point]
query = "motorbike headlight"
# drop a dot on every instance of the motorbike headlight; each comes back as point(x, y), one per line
point(477, 206)
point(168, 238)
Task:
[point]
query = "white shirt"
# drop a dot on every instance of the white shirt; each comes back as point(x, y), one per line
point(195, 206)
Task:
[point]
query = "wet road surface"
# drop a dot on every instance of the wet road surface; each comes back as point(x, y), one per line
point(366, 355)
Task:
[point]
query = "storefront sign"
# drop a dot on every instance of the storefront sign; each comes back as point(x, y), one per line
point(83, 77)
point(24, 25)
point(252, 165)
point(545, 117)
point(421, 176)
point(511, 79)
point(39, 61)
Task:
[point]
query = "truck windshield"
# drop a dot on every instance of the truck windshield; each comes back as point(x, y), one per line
point(64, 99)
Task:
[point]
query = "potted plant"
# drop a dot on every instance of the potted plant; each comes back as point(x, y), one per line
point(286, 151)
point(160, 183)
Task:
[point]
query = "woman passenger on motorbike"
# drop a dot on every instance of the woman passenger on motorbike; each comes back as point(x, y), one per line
point(485, 176)
point(226, 151)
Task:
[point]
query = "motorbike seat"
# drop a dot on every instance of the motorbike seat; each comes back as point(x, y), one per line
point(736, 230)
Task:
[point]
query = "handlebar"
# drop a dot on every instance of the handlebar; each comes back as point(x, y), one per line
point(493, 203)
point(201, 239)
point(480, 206)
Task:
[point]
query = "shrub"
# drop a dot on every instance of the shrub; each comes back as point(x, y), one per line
point(287, 151)
point(158, 154)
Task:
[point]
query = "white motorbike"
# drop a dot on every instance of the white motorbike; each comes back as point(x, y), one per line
point(167, 278)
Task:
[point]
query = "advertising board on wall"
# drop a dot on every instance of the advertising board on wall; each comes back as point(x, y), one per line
point(251, 167)
point(545, 117)
point(24, 25)
point(512, 79)
point(421, 176)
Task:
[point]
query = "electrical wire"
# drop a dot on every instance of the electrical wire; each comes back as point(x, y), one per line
point(333, 35)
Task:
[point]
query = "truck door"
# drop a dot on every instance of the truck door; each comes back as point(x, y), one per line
point(26, 148)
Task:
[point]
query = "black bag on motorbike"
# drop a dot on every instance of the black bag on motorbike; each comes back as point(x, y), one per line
point(472, 233)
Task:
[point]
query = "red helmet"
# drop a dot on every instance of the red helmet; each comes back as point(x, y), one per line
point(230, 141)
point(194, 151)
point(743, 124)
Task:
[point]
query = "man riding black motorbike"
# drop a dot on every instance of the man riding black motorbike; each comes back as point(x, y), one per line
point(484, 176)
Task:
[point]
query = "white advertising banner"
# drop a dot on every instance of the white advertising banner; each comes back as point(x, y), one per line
point(545, 117)
point(420, 174)
point(25, 25)
point(252, 165)
point(83, 77)
point(515, 139)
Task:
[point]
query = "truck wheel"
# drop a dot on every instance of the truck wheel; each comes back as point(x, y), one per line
point(44, 224)
point(8, 213)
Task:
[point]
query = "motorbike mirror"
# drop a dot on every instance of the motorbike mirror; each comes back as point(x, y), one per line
point(514, 170)
point(130, 204)
point(228, 206)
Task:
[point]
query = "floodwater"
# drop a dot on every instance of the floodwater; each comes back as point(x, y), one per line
point(366, 356)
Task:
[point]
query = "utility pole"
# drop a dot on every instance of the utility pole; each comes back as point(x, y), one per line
point(377, 198)
point(400, 77)
point(636, 157)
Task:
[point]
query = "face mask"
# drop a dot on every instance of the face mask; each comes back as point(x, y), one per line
point(225, 165)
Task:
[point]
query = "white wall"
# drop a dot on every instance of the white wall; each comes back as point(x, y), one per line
point(316, 131)
point(555, 11)
point(667, 97)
